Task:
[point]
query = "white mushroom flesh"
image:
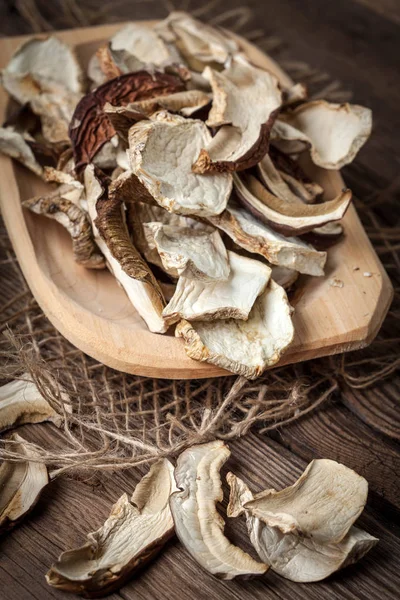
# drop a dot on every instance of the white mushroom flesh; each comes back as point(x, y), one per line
point(198, 525)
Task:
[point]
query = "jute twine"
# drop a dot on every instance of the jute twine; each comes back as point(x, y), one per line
point(119, 421)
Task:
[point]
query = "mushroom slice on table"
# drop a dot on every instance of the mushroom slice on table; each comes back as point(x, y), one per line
point(336, 494)
point(14, 145)
point(244, 347)
point(133, 534)
point(62, 205)
point(196, 300)
point(198, 525)
point(21, 402)
point(162, 151)
point(46, 74)
point(334, 133)
point(254, 236)
point(288, 218)
point(21, 484)
point(199, 44)
point(192, 253)
point(246, 101)
point(297, 558)
point(186, 103)
point(123, 260)
point(90, 128)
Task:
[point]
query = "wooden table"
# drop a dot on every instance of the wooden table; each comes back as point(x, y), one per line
point(357, 42)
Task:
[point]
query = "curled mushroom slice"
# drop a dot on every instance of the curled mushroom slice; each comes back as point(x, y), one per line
point(192, 253)
point(21, 484)
point(185, 103)
point(244, 347)
point(254, 236)
point(333, 132)
point(168, 175)
point(296, 558)
point(336, 493)
point(294, 176)
point(198, 525)
point(196, 300)
point(246, 101)
point(91, 128)
point(274, 181)
point(288, 218)
point(198, 43)
point(123, 260)
point(22, 402)
point(62, 205)
point(14, 145)
point(133, 534)
point(46, 74)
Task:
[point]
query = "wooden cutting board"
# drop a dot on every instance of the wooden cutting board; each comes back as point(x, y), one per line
point(93, 313)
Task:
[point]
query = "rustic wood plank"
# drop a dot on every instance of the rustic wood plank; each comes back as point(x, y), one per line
point(336, 433)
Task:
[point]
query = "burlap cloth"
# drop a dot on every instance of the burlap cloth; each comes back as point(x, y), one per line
point(120, 420)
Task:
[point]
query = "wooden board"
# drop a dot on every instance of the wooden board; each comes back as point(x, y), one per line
point(90, 309)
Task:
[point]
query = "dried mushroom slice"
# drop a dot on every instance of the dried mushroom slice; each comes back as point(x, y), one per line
point(133, 534)
point(288, 218)
point(199, 44)
point(123, 260)
point(246, 101)
point(254, 236)
point(141, 45)
point(198, 525)
point(186, 103)
point(296, 558)
point(91, 128)
point(244, 347)
point(62, 205)
point(21, 484)
point(275, 181)
point(336, 493)
point(14, 145)
point(232, 299)
point(284, 277)
point(192, 253)
point(333, 132)
point(292, 173)
point(162, 152)
point(22, 402)
point(46, 74)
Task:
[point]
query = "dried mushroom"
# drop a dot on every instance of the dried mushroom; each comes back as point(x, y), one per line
point(333, 132)
point(288, 218)
point(62, 206)
point(192, 253)
point(244, 347)
point(299, 558)
point(168, 175)
point(336, 493)
point(283, 276)
point(196, 300)
point(123, 260)
point(291, 172)
point(198, 525)
point(21, 402)
point(140, 45)
point(21, 484)
point(254, 236)
point(90, 127)
point(246, 101)
point(199, 44)
point(133, 534)
point(46, 74)
point(14, 145)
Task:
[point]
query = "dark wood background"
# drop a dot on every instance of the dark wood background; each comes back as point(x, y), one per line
point(356, 42)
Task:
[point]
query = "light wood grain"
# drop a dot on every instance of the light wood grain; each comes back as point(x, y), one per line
point(90, 309)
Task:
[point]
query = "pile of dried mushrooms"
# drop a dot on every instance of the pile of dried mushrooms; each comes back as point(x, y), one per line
point(304, 533)
point(175, 164)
